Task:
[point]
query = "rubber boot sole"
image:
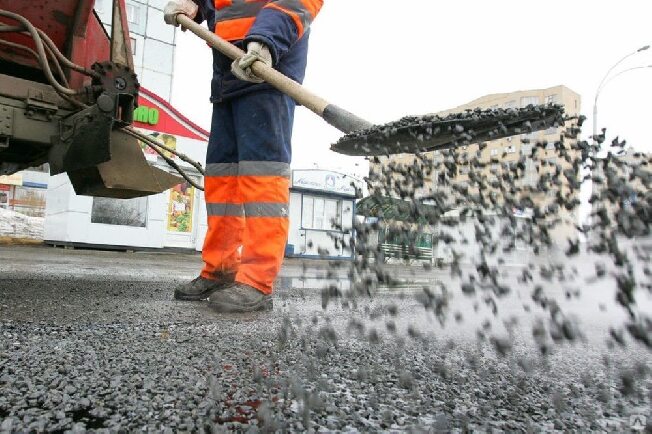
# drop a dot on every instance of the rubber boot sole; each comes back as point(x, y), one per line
point(265, 304)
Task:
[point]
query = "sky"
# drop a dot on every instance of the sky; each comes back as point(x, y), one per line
point(384, 59)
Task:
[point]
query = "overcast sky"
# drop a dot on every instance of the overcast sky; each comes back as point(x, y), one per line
point(385, 59)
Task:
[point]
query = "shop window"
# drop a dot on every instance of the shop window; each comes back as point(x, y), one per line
point(180, 208)
point(29, 201)
point(120, 212)
point(133, 13)
point(307, 212)
point(408, 239)
point(4, 199)
point(321, 213)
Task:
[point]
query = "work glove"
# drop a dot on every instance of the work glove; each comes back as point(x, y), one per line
point(242, 68)
point(176, 7)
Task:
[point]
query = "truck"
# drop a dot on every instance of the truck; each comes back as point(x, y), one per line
point(68, 92)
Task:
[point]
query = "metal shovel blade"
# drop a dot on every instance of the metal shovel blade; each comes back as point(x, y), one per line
point(125, 176)
point(432, 132)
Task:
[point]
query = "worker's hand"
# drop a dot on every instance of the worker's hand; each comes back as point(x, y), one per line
point(242, 68)
point(176, 7)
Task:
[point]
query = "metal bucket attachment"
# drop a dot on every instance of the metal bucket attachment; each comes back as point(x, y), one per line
point(126, 175)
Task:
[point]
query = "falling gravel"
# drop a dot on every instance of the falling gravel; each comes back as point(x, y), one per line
point(553, 337)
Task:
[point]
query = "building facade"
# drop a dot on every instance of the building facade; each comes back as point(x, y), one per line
point(152, 42)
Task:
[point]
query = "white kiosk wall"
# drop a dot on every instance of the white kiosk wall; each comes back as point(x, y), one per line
point(99, 221)
point(322, 209)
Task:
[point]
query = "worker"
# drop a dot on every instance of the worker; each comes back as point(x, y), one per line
point(249, 151)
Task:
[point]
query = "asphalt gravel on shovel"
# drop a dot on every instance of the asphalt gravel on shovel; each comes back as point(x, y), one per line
point(415, 134)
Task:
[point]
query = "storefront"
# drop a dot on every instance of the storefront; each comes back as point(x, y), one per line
point(322, 212)
point(8, 185)
point(25, 192)
point(175, 218)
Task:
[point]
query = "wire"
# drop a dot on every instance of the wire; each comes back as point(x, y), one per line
point(42, 57)
point(182, 156)
point(33, 53)
point(155, 146)
point(7, 28)
point(57, 65)
point(53, 47)
point(63, 59)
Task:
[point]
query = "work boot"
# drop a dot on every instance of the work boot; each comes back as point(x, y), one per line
point(239, 297)
point(201, 288)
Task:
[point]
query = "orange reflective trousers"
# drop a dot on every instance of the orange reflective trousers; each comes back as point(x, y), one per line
point(247, 187)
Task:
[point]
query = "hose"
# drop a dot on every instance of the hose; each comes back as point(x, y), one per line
point(63, 59)
point(155, 146)
point(40, 50)
point(182, 156)
point(69, 99)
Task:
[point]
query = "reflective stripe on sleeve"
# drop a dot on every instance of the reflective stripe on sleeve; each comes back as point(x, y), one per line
point(239, 10)
point(266, 210)
point(264, 168)
point(302, 12)
point(234, 30)
point(224, 210)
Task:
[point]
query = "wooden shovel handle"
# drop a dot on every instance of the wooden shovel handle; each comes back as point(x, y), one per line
point(336, 116)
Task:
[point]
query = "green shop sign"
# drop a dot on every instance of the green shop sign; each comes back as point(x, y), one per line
point(146, 115)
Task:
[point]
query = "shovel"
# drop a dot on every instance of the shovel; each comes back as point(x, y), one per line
point(408, 135)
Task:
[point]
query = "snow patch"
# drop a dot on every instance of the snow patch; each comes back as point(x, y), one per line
point(16, 225)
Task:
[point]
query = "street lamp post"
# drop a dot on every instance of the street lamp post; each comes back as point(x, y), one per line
point(605, 80)
point(602, 84)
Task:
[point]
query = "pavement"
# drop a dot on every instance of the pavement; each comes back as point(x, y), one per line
point(93, 341)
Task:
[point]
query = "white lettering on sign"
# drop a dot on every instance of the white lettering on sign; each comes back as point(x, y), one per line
point(324, 181)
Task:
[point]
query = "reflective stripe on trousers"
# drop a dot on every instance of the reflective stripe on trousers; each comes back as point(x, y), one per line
point(249, 210)
point(247, 187)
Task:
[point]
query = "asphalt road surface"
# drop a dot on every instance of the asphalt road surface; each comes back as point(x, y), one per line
point(94, 341)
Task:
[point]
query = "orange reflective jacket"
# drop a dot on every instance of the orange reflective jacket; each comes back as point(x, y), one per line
point(234, 18)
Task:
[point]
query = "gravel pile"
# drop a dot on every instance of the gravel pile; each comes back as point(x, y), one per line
point(118, 356)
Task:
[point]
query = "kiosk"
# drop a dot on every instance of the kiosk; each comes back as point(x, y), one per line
point(322, 213)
